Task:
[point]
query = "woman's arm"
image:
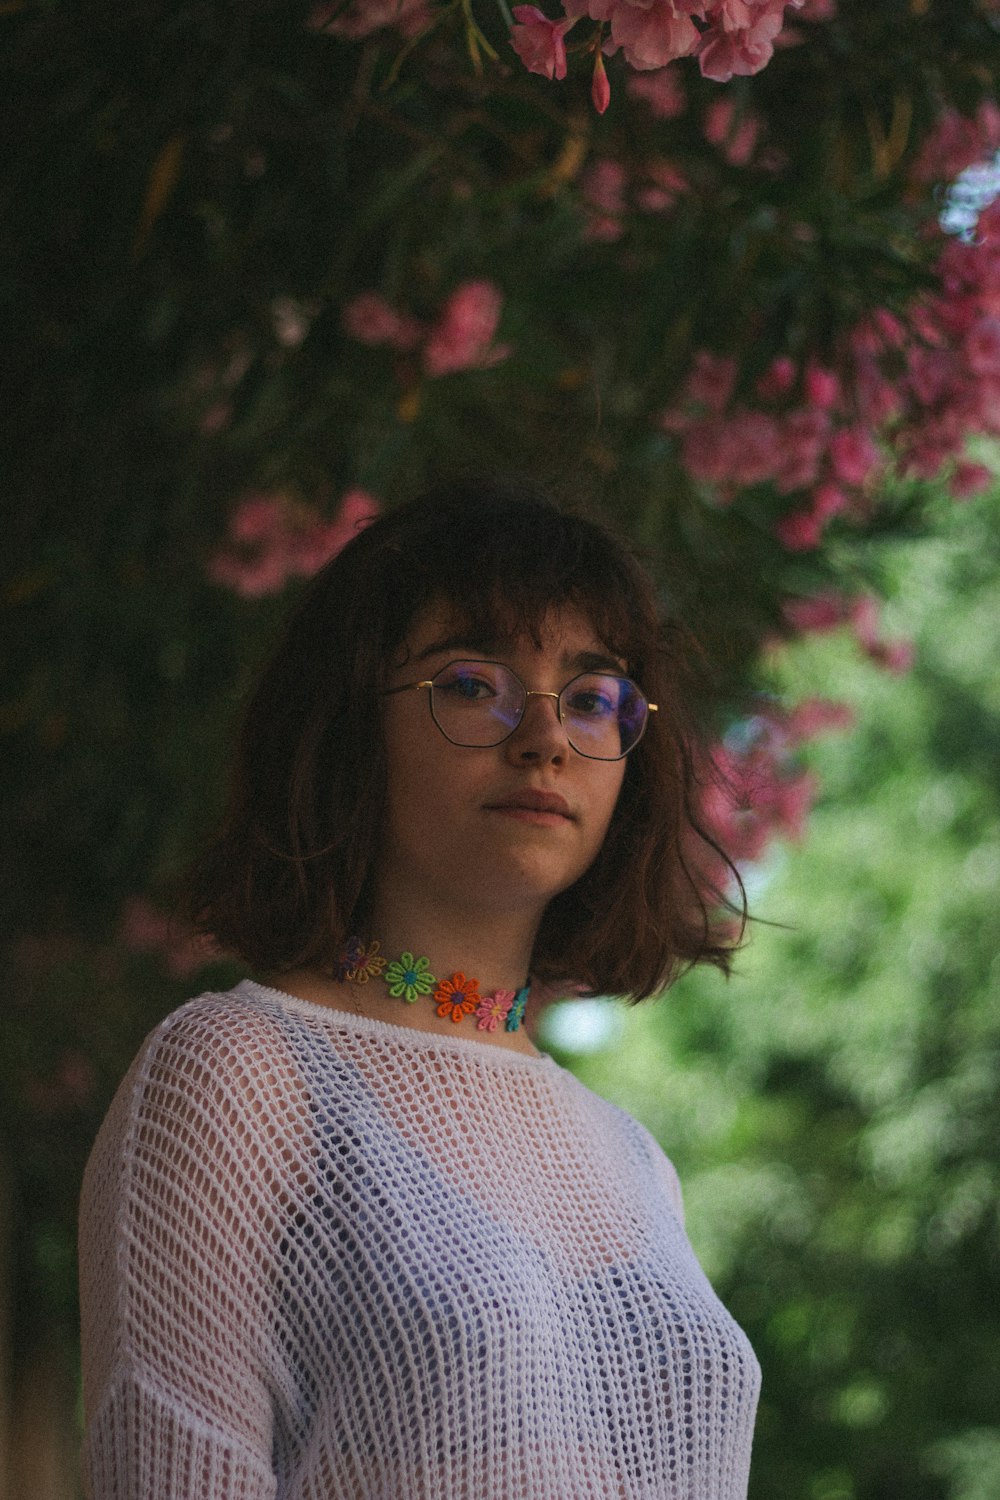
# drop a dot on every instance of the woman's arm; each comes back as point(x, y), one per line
point(177, 1232)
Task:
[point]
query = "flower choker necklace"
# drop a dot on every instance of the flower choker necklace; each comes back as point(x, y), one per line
point(408, 977)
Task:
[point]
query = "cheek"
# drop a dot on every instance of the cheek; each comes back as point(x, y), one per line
point(424, 787)
point(613, 791)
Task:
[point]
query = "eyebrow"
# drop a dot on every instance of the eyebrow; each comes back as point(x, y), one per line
point(582, 661)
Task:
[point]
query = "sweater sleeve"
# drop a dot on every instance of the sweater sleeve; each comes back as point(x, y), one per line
point(177, 1227)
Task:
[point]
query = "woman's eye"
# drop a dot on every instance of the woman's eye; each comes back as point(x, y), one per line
point(591, 704)
point(467, 689)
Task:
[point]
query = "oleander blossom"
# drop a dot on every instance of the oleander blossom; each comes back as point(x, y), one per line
point(729, 37)
point(460, 338)
point(370, 319)
point(539, 42)
point(273, 538)
point(899, 393)
point(830, 610)
point(756, 789)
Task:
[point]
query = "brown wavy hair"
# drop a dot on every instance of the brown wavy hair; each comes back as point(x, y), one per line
point(288, 876)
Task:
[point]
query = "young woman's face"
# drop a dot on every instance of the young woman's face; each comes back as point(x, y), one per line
point(464, 826)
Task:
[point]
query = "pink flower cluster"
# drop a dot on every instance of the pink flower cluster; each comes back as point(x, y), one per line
point(830, 611)
point(904, 396)
point(757, 790)
point(956, 142)
point(606, 194)
point(728, 37)
point(273, 538)
point(812, 443)
point(461, 338)
point(951, 361)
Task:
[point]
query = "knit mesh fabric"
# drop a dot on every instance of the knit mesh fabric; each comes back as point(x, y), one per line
point(325, 1258)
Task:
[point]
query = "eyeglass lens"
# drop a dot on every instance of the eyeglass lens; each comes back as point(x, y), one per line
point(482, 703)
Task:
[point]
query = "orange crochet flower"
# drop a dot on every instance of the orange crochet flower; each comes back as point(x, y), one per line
point(457, 997)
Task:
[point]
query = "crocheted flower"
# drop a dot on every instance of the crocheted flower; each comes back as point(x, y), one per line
point(457, 996)
point(493, 1009)
point(408, 977)
point(369, 963)
point(516, 1013)
point(348, 957)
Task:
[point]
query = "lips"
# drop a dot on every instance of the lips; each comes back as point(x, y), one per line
point(528, 801)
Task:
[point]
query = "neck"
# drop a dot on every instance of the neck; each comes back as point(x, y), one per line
point(495, 949)
point(495, 946)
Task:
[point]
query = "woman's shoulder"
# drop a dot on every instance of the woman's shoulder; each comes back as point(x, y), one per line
point(225, 1054)
point(221, 1028)
point(215, 1080)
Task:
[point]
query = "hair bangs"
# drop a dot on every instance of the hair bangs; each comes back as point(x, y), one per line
point(503, 581)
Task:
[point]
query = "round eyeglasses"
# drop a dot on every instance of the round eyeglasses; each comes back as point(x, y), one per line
point(481, 703)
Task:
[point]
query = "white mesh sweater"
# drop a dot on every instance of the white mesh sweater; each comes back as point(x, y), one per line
point(325, 1258)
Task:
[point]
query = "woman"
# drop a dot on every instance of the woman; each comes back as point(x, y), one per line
point(346, 1233)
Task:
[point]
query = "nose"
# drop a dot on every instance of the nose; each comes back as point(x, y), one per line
point(540, 736)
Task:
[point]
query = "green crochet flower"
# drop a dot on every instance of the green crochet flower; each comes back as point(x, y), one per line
point(408, 977)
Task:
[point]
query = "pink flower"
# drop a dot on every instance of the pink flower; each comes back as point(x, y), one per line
point(539, 42)
point(600, 89)
point(712, 379)
point(463, 337)
point(661, 90)
point(969, 479)
point(740, 40)
point(816, 716)
point(734, 131)
point(662, 188)
point(800, 531)
point(313, 545)
point(492, 1011)
point(829, 501)
point(777, 380)
point(818, 614)
point(982, 346)
point(273, 538)
point(738, 449)
point(958, 142)
point(853, 455)
point(821, 386)
point(370, 319)
point(895, 656)
point(802, 437)
point(603, 189)
point(651, 35)
point(757, 794)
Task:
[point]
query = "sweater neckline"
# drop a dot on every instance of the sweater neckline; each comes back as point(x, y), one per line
point(411, 1036)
